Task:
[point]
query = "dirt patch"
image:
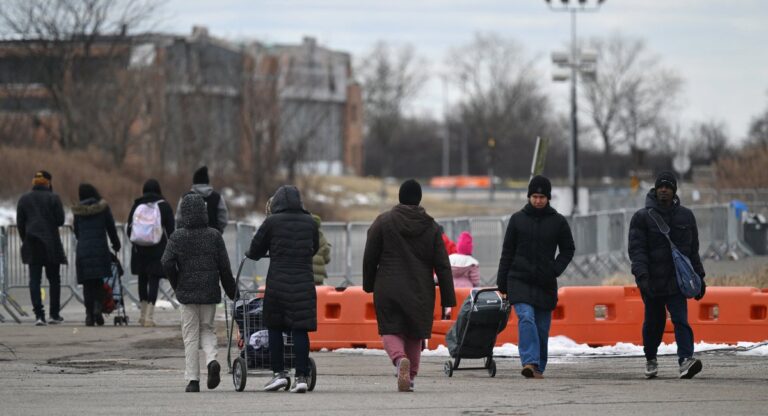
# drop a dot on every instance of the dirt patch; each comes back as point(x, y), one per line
point(95, 365)
point(173, 342)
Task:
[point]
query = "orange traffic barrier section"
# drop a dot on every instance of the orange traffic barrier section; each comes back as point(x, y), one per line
point(346, 318)
point(589, 315)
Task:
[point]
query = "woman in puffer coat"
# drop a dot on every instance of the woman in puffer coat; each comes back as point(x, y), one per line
point(93, 222)
point(291, 238)
point(322, 257)
point(464, 268)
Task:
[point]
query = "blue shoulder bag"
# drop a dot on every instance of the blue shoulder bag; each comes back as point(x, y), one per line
point(688, 280)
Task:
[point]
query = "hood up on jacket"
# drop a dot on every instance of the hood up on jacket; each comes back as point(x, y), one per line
point(193, 212)
point(90, 206)
point(652, 202)
point(287, 198)
point(411, 220)
point(203, 189)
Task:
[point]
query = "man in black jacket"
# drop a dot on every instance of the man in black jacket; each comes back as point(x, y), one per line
point(654, 272)
point(39, 215)
point(528, 271)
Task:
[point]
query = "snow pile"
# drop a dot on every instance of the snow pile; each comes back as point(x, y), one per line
point(7, 213)
point(561, 346)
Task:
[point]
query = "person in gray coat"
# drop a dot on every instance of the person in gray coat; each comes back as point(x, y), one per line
point(215, 207)
point(195, 261)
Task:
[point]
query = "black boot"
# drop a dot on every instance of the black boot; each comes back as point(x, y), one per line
point(193, 387)
point(97, 317)
point(88, 318)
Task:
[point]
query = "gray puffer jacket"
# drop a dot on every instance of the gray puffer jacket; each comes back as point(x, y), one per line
point(195, 259)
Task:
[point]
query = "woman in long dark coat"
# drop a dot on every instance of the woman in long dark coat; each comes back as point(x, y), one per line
point(290, 236)
point(403, 248)
point(145, 260)
point(92, 224)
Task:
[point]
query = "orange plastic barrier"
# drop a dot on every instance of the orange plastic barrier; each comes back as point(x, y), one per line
point(346, 318)
point(460, 182)
point(589, 315)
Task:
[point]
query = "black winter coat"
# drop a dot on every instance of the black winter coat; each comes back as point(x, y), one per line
point(92, 224)
point(39, 214)
point(146, 259)
point(195, 258)
point(650, 252)
point(403, 248)
point(290, 236)
point(528, 268)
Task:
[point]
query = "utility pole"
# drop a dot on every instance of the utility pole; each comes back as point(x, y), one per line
point(577, 62)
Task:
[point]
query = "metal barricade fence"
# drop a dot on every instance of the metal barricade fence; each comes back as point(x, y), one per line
point(600, 238)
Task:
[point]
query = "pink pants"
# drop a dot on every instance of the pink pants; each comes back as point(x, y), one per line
point(399, 346)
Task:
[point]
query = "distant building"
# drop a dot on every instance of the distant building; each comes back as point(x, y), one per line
point(185, 100)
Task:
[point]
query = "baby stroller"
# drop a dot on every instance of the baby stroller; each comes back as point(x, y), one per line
point(246, 312)
point(483, 315)
point(113, 293)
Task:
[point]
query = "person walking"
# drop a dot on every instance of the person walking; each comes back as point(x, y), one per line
point(215, 206)
point(290, 236)
point(195, 261)
point(654, 271)
point(93, 223)
point(151, 218)
point(322, 257)
point(403, 247)
point(528, 271)
point(464, 268)
point(39, 214)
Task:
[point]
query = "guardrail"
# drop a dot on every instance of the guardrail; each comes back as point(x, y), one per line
point(601, 250)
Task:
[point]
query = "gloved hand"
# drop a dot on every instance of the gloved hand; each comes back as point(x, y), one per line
point(447, 313)
point(643, 285)
point(703, 290)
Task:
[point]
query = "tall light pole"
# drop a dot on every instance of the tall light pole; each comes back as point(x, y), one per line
point(576, 62)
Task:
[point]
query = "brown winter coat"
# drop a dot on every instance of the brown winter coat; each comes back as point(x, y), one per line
point(403, 248)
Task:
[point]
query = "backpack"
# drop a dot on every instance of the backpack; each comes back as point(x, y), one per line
point(688, 280)
point(147, 228)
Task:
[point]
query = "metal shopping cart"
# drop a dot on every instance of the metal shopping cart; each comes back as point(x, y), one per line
point(247, 337)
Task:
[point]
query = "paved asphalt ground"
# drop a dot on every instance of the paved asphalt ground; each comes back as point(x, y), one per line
point(75, 370)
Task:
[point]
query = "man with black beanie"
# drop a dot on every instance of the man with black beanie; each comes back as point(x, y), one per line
point(403, 248)
point(214, 202)
point(654, 272)
point(39, 214)
point(528, 271)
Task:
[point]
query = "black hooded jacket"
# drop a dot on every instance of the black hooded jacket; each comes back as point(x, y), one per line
point(195, 258)
point(403, 248)
point(93, 222)
point(650, 252)
point(291, 238)
point(528, 268)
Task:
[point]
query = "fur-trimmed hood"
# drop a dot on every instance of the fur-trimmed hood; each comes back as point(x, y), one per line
point(89, 207)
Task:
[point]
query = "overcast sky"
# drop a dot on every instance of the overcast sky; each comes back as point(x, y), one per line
point(719, 47)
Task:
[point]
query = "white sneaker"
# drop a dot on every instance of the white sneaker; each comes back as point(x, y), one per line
point(300, 385)
point(279, 381)
point(651, 368)
point(40, 322)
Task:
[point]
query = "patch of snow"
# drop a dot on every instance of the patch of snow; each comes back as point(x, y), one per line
point(561, 346)
point(7, 213)
point(335, 189)
point(321, 198)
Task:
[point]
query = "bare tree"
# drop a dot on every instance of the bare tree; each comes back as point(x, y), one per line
point(77, 45)
point(502, 98)
point(758, 130)
point(709, 141)
point(632, 94)
point(391, 78)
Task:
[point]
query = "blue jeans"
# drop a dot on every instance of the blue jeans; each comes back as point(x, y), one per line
point(533, 334)
point(656, 319)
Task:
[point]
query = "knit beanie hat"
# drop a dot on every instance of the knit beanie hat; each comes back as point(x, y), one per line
point(464, 243)
point(201, 176)
point(410, 192)
point(666, 178)
point(540, 185)
point(152, 186)
point(42, 178)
